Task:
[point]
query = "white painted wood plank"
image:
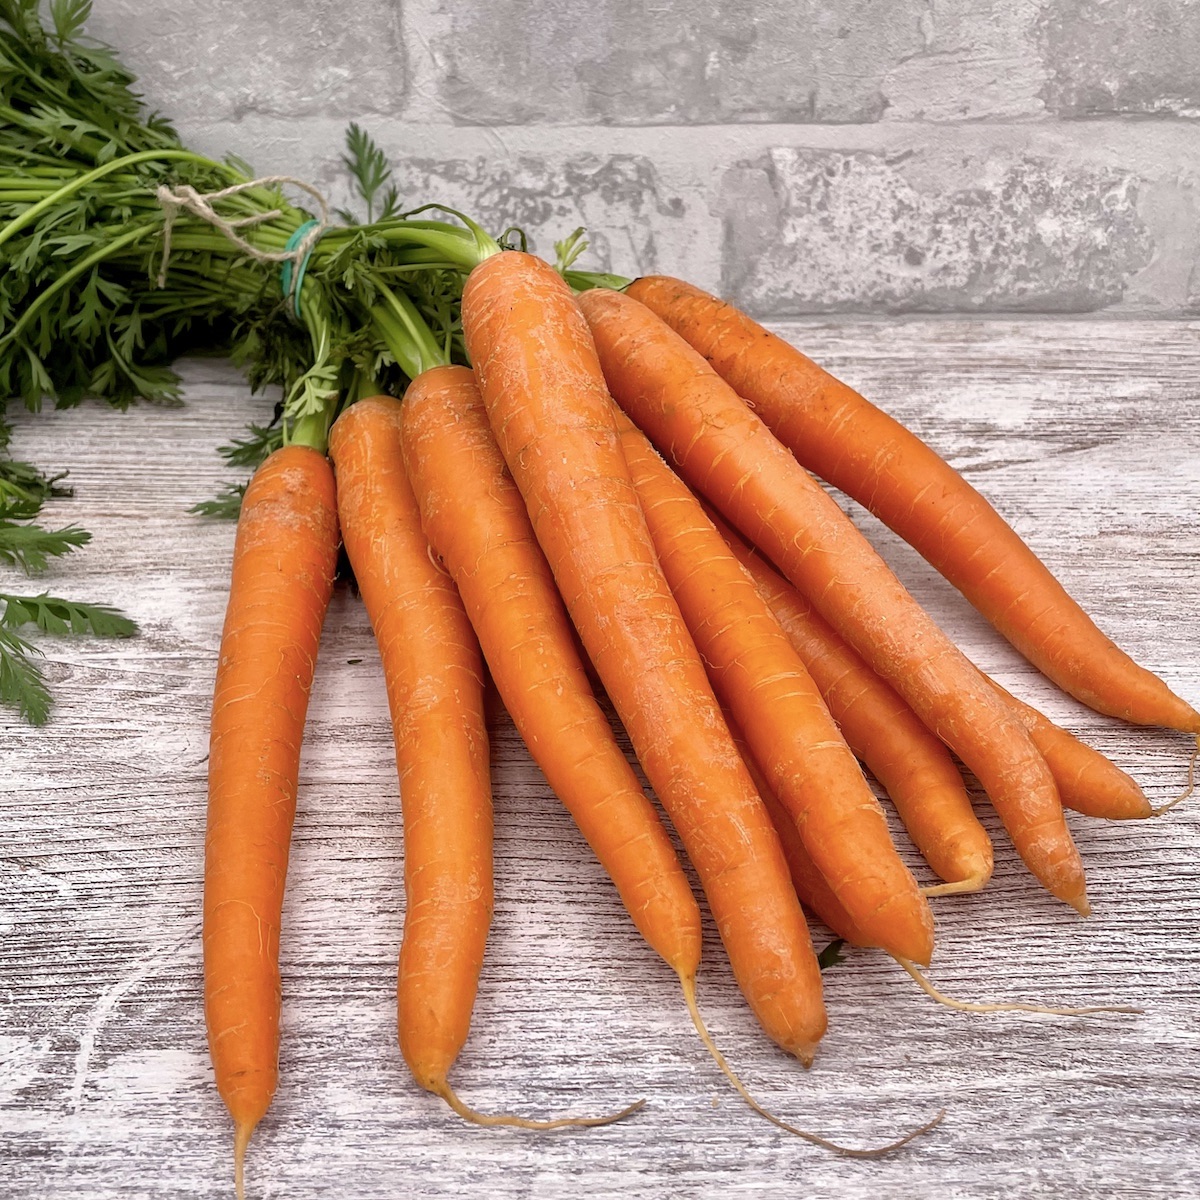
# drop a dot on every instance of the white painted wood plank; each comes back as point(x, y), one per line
point(1085, 434)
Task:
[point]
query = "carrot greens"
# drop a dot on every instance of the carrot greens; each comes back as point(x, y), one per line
point(121, 249)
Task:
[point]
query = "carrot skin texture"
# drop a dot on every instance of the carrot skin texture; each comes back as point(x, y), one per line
point(846, 440)
point(434, 677)
point(791, 737)
point(284, 560)
point(811, 886)
point(552, 418)
point(476, 521)
point(913, 766)
point(725, 451)
point(813, 890)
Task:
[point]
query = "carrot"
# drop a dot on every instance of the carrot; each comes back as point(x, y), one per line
point(725, 451)
point(434, 677)
point(284, 560)
point(913, 766)
point(759, 677)
point(434, 680)
point(849, 442)
point(553, 420)
point(818, 897)
point(476, 521)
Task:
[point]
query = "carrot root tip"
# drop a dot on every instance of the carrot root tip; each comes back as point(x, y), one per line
point(447, 1093)
point(927, 987)
point(688, 983)
point(1189, 788)
point(958, 887)
point(241, 1139)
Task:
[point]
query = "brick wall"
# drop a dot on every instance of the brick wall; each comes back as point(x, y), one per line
point(802, 156)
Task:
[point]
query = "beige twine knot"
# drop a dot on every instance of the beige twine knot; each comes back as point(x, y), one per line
point(185, 198)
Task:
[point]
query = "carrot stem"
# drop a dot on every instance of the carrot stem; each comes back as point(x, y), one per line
point(406, 333)
point(311, 431)
point(30, 215)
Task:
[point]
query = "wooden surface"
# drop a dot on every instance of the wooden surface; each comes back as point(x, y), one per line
point(1087, 437)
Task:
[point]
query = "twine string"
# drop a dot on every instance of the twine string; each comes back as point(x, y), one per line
point(184, 198)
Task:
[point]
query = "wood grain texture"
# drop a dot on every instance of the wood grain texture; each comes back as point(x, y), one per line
point(1086, 435)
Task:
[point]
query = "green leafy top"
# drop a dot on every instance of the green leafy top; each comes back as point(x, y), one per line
point(30, 547)
point(51, 614)
point(371, 171)
point(22, 684)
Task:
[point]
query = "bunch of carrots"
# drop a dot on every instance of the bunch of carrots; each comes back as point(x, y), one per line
point(626, 471)
point(551, 473)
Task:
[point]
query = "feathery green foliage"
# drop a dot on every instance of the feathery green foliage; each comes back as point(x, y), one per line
point(22, 684)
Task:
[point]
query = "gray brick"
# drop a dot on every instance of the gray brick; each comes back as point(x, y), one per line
point(619, 199)
point(677, 61)
point(1192, 302)
point(980, 60)
point(929, 230)
point(280, 57)
point(1113, 56)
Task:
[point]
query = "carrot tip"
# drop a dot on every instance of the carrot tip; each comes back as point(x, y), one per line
point(1188, 789)
point(241, 1139)
point(957, 887)
point(442, 1088)
point(688, 982)
point(927, 987)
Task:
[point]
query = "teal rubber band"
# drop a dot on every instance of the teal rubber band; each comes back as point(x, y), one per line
point(292, 289)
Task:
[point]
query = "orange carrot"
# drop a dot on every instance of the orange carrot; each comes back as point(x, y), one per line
point(817, 897)
point(913, 766)
point(434, 677)
point(284, 560)
point(553, 421)
point(476, 521)
point(846, 440)
point(759, 677)
point(725, 451)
